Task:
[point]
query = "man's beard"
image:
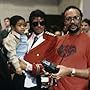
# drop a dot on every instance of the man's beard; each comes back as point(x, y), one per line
point(73, 29)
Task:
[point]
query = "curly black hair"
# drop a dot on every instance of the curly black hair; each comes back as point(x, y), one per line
point(15, 19)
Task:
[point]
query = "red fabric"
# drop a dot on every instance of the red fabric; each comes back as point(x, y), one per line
point(34, 68)
point(75, 53)
point(41, 69)
point(37, 54)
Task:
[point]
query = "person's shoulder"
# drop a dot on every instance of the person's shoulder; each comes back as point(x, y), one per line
point(85, 35)
point(50, 34)
point(85, 38)
point(12, 36)
point(4, 33)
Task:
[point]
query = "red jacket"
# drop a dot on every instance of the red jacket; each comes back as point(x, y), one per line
point(40, 52)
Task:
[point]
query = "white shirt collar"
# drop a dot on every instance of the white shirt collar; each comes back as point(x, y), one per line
point(41, 34)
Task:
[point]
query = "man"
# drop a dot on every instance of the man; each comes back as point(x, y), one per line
point(5, 77)
point(73, 54)
point(7, 24)
point(40, 44)
point(6, 30)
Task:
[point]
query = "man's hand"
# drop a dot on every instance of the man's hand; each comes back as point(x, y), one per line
point(19, 71)
point(23, 65)
point(63, 71)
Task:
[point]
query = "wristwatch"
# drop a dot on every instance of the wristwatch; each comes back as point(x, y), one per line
point(73, 72)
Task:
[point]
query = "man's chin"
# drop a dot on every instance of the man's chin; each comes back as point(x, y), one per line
point(73, 31)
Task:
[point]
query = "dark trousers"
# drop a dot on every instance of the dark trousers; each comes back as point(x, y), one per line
point(18, 82)
point(89, 85)
point(5, 85)
point(35, 88)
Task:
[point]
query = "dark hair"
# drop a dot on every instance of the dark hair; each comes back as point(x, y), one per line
point(36, 13)
point(86, 21)
point(7, 18)
point(15, 19)
point(74, 7)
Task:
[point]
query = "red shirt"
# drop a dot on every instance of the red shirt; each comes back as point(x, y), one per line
point(73, 51)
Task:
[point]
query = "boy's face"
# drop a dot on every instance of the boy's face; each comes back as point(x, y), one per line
point(20, 26)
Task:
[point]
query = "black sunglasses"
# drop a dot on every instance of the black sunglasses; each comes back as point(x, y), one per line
point(36, 23)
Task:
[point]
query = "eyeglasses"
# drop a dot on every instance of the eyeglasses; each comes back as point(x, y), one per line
point(36, 23)
point(75, 18)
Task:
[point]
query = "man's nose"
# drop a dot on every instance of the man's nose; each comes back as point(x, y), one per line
point(72, 20)
point(39, 24)
point(22, 26)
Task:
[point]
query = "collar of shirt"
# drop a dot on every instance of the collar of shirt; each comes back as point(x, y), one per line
point(34, 35)
point(17, 35)
point(31, 39)
point(9, 28)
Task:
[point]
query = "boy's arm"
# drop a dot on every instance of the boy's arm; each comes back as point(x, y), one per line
point(10, 44)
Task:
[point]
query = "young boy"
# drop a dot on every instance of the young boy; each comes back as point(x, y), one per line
point(16, 43)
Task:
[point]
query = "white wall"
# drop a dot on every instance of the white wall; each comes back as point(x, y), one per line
point(86, 8)
point(64, 3)
point(84, 5)
point(24, 7)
